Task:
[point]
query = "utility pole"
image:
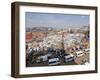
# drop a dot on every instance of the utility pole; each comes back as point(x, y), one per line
point(62, 40)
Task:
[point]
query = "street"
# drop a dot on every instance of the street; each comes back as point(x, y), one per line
point(46, 64)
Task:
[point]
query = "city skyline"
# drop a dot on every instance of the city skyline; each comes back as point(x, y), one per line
point(55, 20)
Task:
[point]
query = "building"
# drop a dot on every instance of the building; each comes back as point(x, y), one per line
point(28, 36)
point(38, 36)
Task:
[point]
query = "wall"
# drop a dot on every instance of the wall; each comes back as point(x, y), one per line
point(5, 40)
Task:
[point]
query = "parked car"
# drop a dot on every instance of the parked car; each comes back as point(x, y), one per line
point(39, 60)
point(86, 50)
point(43, 58)
point(79, 53)
point(69, 57)
point(53, 61)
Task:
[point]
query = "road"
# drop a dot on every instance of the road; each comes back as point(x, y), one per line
point(77, 61)
point(46, 64)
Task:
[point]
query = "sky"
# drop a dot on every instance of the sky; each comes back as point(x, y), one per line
point(57, 20)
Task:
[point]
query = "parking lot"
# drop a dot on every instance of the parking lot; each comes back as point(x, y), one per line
point(58, 57)
point(46, 64)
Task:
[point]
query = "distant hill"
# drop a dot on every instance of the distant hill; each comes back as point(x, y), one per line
point(28, 29)
point(43, 28)
point(39, 29)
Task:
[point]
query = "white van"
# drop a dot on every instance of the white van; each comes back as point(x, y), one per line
point(87, 50)
point(43, 58)
point(69, 57)
point(54, 61)
point(79, 53)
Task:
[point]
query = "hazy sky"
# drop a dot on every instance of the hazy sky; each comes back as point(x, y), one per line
point(55, 20)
